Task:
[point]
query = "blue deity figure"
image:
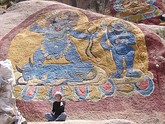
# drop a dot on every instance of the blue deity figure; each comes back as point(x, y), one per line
point(121, 5)
point(56, 43)
point(121, 48)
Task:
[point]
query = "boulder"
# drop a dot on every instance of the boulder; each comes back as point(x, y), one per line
point(160, 30)
point(9, 112)
point(56, 47)
point(148, 12)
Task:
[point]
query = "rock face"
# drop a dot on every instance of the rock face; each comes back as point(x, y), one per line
point(3, 1)
point(141, 11)
point(112, 121)
point(9, 112)
point(105, 67)
point(160, 30)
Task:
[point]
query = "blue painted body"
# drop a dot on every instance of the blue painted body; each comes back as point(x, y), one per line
point(56, 43)
point(118, 4)
point(69, 72)
point(121, 48)
point(80, 35)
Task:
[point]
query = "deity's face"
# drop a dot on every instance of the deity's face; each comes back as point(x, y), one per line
point(64, 20)
point(60, 25)
point(118, 27)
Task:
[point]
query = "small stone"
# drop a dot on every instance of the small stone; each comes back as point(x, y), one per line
point(2, 11)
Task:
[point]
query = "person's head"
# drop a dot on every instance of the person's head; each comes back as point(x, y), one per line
point(58, 96)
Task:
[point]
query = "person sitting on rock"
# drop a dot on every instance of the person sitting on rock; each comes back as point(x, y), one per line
point(58, 113)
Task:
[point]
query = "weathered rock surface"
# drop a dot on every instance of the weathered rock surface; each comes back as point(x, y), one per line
point(18, 13)
point(113, 121)
point(9, 113)
point(160, 30)
point(125, 103)
point(141, 11)
point(148, 12)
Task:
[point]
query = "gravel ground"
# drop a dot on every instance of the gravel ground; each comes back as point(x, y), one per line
point(113, 121)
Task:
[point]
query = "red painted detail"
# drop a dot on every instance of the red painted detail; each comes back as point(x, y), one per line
point(30, 91)
point(148, 14)
point(82, 90)
point(107, 86)
point(143, 84)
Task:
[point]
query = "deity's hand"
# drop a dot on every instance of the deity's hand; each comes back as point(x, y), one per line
point(117, 41)
point(69, 29)
point(104, 27)
point(94, 35)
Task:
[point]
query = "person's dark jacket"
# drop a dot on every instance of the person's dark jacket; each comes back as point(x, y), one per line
point(58, 107)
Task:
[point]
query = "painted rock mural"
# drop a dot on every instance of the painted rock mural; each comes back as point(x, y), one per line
point(81, 58)
point(85, 56)
point(145, 11)
point(139, 11)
